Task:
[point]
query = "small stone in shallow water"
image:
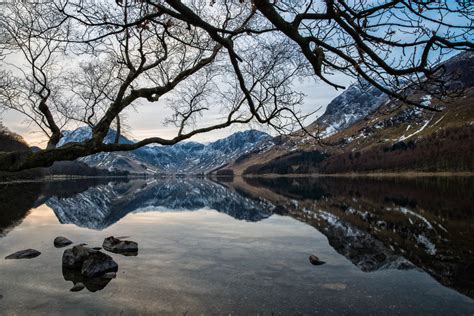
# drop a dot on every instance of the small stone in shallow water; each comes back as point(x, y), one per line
point(24, 254)
point(116, 245)
point(1, 296)
point(77, 287)
point(61, 241)
point(315, 260)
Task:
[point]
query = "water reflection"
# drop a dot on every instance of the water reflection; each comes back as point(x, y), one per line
point(91, 284)
point(377, 224)
point(387, 223)
point(15, 202)
point(101, 206)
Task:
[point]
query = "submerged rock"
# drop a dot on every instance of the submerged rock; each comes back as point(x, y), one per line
point(60, 242)
point(91, 284)
point(124, 247)
point(77, 287)
point(97, 264)
point(24, 254)
point(315, 260)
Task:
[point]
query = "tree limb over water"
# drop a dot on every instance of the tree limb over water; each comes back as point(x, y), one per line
point(76, 63)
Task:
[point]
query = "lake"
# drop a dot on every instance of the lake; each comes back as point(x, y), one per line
point(241, 246)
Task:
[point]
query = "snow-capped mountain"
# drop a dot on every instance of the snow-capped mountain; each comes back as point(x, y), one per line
point(355, 103)
point(364, 131)
point(186, 157)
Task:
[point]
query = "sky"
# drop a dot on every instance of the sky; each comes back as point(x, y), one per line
point(147, 119)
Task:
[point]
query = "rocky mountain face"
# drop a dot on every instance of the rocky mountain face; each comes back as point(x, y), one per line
point(184, 157)
point(355, 103)
point(363, 131)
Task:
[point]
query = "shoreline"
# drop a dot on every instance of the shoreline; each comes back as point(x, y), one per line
point(409, 174)
point(64, 178)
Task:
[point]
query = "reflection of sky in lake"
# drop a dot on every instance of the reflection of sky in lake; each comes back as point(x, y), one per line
point(209, 262)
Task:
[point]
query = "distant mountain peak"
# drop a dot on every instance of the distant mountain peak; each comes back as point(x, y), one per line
point(84, 133)
point(189, 156)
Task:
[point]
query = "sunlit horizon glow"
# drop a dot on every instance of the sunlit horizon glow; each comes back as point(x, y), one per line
point(147, 119)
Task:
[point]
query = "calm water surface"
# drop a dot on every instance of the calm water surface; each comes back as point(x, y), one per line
point(241, 246)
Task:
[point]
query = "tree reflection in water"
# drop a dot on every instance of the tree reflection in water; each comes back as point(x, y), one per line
point(377, 224)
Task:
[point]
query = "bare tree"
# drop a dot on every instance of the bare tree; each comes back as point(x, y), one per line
point(240, 55)
point(34, 91)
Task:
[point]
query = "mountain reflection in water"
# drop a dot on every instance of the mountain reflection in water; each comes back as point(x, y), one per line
point(377, 224)
point(423, 223)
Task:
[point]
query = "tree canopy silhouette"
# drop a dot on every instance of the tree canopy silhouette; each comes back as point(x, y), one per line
point(84, 62)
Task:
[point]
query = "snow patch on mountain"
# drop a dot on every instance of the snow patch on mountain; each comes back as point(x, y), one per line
point(184, 157)
point(355, 103)
point(99, 207)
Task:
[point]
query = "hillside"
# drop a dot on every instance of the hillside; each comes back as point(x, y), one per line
point(385, 136)
point(10, 141)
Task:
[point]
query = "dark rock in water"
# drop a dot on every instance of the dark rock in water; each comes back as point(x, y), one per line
point(97, 248)
point(24, 254)
point(90, 262)
point(315, 260)
point(124, 247)
point(77, 287)
point(97, 264)
point(91, 284)
point(61, 241)
point(1, 296)
point(74, 258)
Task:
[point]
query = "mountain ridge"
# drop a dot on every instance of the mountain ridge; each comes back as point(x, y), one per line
point(183, 157)
point(386, 135)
